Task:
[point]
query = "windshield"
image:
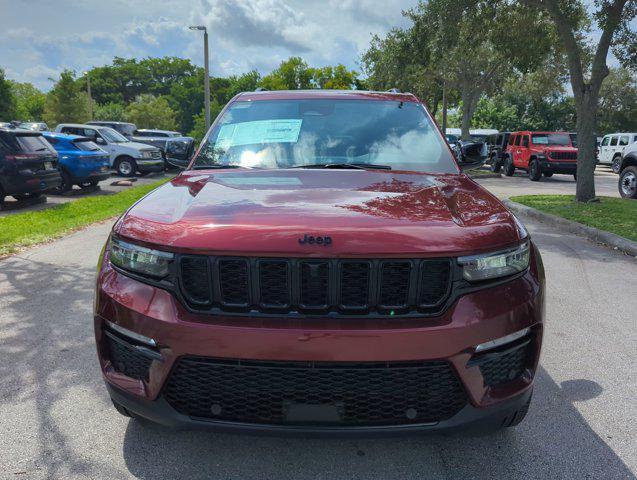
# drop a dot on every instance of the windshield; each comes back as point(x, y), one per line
point(299, 133)
point(112, 136)
point(551, 139)
point(86, 145)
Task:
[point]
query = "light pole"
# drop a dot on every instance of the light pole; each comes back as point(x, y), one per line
point(206, 80)
point(90, 99)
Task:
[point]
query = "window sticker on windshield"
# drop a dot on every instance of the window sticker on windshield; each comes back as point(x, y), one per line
point(259, 131)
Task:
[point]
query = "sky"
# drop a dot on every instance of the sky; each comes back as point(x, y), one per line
point(40, 38)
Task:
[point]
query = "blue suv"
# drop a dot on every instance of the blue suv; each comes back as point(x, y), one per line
point(81, 162)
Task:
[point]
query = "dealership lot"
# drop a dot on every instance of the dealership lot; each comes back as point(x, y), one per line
point(12, 207)
point(519, 184)
point(56, 419)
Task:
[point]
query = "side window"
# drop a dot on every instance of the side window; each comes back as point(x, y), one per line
point(517, 140)
point(613, 141)
point(511, 140)
point(525, 141)
point(605, 141)
point(623, 140)
point(89, 132)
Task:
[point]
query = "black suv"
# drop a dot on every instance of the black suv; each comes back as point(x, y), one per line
point(28, 164)
point(497, 149)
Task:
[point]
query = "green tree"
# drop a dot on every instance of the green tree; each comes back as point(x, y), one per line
point(29, 101)
point(112, 111)
point(618, 102)
point(7, 99)
point(292, 74)
point(148, 111)
point(337, 78)
point(199, 125)
point(66, 103)
point(587, 65)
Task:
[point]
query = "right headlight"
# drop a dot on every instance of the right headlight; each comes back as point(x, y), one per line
point(135, 258)
point(476, 268)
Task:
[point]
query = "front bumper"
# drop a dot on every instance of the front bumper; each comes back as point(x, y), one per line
point(153, 165)
point(160, 412)
point(473, 319)
point(559, 167)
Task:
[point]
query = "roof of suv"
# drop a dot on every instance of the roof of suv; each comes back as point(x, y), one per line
point(326, 94)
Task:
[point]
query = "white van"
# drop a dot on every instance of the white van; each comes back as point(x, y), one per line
point(126, 157)
point(612, 148)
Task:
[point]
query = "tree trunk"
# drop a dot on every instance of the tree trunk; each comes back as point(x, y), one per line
point(586, 115)
point(444, 107)
point(469, 104)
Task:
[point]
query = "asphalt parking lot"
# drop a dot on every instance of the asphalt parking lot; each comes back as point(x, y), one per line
point(56, 420)
point(12, 206)
point(519, 184)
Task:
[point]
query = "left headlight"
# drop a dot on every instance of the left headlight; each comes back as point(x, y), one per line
point(138, 259)
point(147, 154)
point(495, 265)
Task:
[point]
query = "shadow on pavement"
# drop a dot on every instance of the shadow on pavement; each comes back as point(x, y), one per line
point(554, 442)
point(48, 363)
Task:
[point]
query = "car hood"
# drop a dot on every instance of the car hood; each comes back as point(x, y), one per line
point(266, 212)
point(137, 146)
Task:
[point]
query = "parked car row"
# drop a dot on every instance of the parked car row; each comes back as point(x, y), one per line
point(543, 154)
point(34, 161)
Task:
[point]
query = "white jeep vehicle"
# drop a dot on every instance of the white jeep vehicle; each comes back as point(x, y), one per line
point(126, 157)
point(628, 172)
point(612, 148)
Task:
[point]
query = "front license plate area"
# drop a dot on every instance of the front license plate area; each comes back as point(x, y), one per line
point(313, 413)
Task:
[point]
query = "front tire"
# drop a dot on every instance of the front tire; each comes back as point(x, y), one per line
point(535, 172)
point(27, 196)
point(616, 164)
point(495, 165)
point(509, 169)
point(628, 183)
point(126, 166)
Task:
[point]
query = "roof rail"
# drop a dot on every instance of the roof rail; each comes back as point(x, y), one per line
point(394, 90)
point(260, 89)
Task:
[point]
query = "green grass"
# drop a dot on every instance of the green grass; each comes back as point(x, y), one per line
point(29, 228)
point(616, 215)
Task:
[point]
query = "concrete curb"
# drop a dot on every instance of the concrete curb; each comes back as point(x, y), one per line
point(600, 236)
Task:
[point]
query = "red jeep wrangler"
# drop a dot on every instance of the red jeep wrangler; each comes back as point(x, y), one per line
point(540, 153)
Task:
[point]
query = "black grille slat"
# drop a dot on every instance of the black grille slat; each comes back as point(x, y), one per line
point(354, 285)
point(435, 282)
point(274, 285)
point(233, 282)
point(563, 155)
point(195, 279)
point(362, 393)
point(394, 284)
point(314, 284)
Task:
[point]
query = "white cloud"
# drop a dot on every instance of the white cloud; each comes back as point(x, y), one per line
point(243, 35)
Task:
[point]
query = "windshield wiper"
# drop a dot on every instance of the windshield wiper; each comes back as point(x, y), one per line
point(357, 166)
point(216, 165)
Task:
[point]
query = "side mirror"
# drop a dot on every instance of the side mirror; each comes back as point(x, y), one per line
point(179, 151)
point(100, 141)
point(474, 155)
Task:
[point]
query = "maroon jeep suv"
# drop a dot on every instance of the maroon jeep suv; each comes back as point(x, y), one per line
point(322, 265)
